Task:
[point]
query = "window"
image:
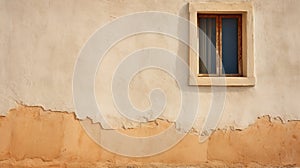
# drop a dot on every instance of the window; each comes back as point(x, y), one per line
point(225, 44)
point(220, 45)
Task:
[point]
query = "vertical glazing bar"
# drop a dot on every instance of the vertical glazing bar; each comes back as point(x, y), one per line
point(220, 46)
point(204, 58)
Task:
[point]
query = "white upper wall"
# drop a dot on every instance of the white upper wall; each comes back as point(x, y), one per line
point(40, 41)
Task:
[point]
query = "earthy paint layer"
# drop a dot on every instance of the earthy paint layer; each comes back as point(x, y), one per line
point(31, 136)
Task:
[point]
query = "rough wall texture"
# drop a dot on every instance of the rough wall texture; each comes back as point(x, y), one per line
point(33, 137)
point(40, 41)
point(39, 44)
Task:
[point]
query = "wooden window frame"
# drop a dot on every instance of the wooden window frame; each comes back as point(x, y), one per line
point(218, 46)
point(245, 45)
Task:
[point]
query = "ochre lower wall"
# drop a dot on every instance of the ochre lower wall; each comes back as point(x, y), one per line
point(33, 137)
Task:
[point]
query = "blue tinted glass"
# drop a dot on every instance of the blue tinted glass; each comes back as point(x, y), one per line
point(230, 45)
point(207, 43)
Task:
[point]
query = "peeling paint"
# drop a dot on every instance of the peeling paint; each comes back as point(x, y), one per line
point(41, 42)
point(37, 137)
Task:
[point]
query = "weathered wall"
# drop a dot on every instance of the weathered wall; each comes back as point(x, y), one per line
point(33, 137)
point(40, 41)
point(39, 44)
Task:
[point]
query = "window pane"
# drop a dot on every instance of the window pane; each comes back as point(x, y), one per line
point(207, 43)
point(230, 45)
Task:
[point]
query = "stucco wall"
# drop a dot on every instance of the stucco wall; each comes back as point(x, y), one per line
point(33, 137)
point(40, 42)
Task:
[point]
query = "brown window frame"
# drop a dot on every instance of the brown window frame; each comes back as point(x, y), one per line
point(219, 68)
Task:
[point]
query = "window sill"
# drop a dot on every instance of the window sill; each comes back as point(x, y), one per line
point(223, 81)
